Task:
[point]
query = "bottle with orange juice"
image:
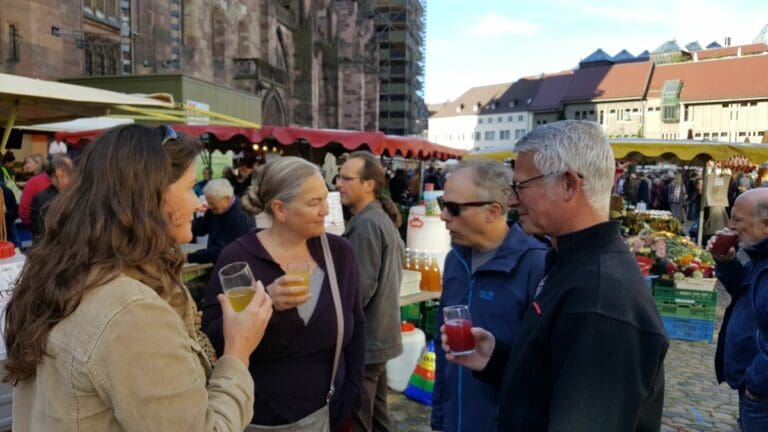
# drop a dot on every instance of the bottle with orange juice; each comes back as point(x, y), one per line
point(435, 277)
point(424, 269)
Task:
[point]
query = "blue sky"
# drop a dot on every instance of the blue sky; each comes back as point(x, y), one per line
point(477, 42)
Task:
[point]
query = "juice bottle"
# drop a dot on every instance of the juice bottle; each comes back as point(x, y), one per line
point(424, 269)
point(407, 259)
point(435, 278)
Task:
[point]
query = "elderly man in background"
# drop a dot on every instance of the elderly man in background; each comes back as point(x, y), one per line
point(590, 350)
point(742, 356)
point(223, 222)
point(494, 269)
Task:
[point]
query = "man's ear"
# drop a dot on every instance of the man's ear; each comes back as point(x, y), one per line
point(493, 213)
point(573, 182)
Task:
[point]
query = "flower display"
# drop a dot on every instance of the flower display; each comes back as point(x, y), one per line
point(673, 255)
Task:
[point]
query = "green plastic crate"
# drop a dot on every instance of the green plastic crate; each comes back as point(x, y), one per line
point(672, 294)
point(430, 318)
point(685, 309)
point(411, 313)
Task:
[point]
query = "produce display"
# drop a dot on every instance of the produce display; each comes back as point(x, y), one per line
point(674, 256)
point(633, 223)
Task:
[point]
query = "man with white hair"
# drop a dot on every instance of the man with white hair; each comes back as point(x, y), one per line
point(223, 222)
point(590, 349)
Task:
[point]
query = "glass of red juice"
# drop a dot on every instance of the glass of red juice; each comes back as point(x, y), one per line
point(726, 238)
point(458, 326)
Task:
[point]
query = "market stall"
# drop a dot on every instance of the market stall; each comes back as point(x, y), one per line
point(26, 101)
point(684, 150)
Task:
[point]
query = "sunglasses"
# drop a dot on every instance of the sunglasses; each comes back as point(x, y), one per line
point(170, 135)
point(454, 208)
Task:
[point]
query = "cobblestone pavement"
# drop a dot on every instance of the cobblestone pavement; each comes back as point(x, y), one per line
point(693, 400)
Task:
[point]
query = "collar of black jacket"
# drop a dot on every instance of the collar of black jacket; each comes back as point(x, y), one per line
point(597, 237)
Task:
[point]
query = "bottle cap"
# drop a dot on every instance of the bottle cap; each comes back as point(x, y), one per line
point(7, 249)
point(407, 327)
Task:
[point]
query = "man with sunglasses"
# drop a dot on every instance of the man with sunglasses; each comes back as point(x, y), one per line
point(590, 351)
point(494, 269)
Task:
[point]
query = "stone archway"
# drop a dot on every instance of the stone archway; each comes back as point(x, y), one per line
point(273, 110)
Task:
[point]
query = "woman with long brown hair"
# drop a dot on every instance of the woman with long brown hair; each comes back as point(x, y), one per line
point(100, 331)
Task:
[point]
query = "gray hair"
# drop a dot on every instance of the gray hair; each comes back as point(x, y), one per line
point(576, 145)
point(281, 179)
point(219, 188)
point(491, 178)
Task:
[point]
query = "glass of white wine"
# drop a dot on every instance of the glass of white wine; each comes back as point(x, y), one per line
point(238, 284)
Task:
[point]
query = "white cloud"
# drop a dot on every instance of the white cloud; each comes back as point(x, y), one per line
point(624, 13)
point(492, 24)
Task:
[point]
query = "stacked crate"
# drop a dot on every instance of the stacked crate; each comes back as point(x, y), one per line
point(687, 313)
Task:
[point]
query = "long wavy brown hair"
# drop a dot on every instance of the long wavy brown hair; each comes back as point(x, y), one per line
point(110, 220)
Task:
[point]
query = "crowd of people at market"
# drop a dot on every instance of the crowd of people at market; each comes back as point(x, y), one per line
point(102, 333)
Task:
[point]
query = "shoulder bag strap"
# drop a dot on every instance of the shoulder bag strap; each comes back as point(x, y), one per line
point(339, 312)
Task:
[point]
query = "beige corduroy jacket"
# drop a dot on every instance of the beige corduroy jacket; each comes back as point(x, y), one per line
point(125, 360)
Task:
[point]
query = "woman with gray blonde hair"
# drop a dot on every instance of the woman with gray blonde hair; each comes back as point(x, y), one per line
point(295, 363)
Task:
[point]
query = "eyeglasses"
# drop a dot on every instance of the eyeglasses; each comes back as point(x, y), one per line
point(454, 208)
point(518, 186)
point(170, 135)
point(347, 179)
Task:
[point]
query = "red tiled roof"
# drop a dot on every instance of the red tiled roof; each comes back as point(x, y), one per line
point(619, 81)
point(553, 87)
point(476, 95)
point(730, 78)
point(750, 49)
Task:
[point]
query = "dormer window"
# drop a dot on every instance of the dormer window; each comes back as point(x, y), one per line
point(476, 107)
point(460, 108)
point(513, 103)
point(493, 105)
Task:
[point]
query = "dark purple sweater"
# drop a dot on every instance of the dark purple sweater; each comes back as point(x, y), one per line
point(292, 366)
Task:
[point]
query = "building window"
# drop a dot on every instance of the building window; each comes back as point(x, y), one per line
point(613, 111)
point(510, 118)
point(723, 134)
point(520, 118)
point(577, 115)
point(753, 104)
point(634, 110)
point(498, 120)
point(602, 119)
point(685, 113)
point(725, 105)
point(479, 121)
point(504, 135)
point(697, 135)
point(13, 43)
point(591, 112)
point(741, 134)
point(477, 136)
point(490, 135)
point(519, 133)
point(650, 109)
point(218, 34)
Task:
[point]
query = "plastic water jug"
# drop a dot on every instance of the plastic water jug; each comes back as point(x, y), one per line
point(399, 369)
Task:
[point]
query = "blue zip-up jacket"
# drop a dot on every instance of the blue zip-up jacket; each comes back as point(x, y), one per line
point(735, 344)
point(497, 294)
point(756, 377)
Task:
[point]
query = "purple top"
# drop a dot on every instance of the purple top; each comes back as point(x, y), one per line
point(292, 366)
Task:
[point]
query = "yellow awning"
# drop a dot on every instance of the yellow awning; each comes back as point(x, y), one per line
point(27, 101)
point(683, 150)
